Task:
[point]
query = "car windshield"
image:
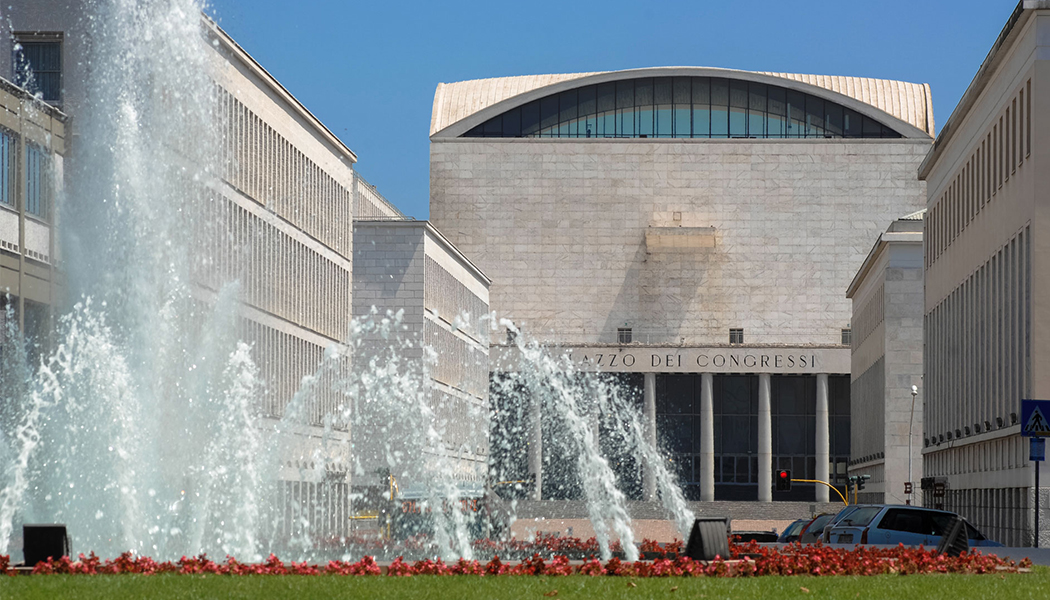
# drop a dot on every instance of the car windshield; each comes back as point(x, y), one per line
point(861, 517)
point(843, 513)
point(794, 528)
point(819, 523)
point(973, 534)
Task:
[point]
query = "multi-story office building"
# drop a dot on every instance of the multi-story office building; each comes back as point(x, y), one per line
point(887, 365)
point(32, 144)
point(407, 267)
point(280, 223)
point(692, 229)
point(985, 329)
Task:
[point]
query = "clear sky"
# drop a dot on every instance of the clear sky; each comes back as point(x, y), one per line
point(368, 70)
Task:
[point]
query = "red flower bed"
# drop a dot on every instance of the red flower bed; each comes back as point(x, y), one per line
point(746, 560)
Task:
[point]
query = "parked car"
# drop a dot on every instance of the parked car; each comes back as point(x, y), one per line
point(814, 528)
point(899, 524)
point(792, 531)
point(842, 514)
point(742, 537)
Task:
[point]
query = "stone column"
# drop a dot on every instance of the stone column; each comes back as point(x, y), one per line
point(765, 441)
point(823, 442)
point(536, 448)
point(649, 411)
point(707, 438)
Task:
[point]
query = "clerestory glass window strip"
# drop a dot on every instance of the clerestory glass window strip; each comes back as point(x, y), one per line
point(682, 107)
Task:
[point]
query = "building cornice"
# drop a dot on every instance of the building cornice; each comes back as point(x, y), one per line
point(237, 52)
point(1014, 25)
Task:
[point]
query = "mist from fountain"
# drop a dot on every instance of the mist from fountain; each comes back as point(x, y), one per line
point(140, 429)
point(553, 384)
point(132, 430)
point(626, 424)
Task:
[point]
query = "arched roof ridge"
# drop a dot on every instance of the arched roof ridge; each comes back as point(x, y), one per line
point(900, 105)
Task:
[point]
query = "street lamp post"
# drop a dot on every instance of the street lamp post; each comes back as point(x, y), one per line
point(911, 421)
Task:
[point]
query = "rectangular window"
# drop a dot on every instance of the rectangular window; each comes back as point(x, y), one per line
point(796, 114)
point(719, 102)
point(993, 168)
point(681, 107)
point(701, 107)
point(814, 117)
point(662, 96)
point(989, 165)
point(736, 336)
point(1028, 120)
point(1007, 147)
point(847, 336)
point(1013, 146)
point(643, 99)
point(7, 168)
point(776, 117)
point(38, 67)
point(623, 335)
point(737, 109)
point(980, 175)
point(625, 103)
point(37, 180)
point(1001, 158)
point(756, 110)
point(1021, 131)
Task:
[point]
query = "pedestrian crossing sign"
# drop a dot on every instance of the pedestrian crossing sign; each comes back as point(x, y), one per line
point(1035, 418)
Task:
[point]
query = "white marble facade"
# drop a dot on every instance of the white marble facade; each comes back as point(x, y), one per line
point(680, 240)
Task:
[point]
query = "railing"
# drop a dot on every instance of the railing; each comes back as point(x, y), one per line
point(376, 202)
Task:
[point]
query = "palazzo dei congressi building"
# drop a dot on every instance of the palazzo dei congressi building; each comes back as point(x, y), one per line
point(691, 230)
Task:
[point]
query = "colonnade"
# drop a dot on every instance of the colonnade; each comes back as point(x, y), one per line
point(707, 439)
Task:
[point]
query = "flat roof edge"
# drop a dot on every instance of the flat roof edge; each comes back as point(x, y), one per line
point(271, 81)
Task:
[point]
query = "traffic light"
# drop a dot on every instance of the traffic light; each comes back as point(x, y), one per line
point(783, 483)
point(860, 481)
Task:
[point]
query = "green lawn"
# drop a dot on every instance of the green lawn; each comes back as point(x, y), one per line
point(259, 587)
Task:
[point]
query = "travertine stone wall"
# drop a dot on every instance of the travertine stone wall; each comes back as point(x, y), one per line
point(886, 361)
point(986, 284)
point(407, 266)
point(563, 226)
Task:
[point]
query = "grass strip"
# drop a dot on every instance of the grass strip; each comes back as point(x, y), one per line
point(292, 587)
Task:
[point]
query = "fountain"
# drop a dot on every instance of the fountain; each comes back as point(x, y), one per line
point(140, 429)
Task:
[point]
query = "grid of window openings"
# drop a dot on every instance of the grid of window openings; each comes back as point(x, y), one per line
point(994, 157)
point(274, 267)
point(735, 408)
point(38, 68)
point(314, 508)
point(682, 107)
point(979, 346)
point(269, 169)
point(283, 360)
point(735, 403)
point(37, 191)
point(839, 419)
point(792, 408)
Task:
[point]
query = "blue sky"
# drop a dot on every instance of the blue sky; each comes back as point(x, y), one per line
point(368, 70)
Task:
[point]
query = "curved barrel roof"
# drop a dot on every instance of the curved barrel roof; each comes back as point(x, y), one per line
point(461, 105)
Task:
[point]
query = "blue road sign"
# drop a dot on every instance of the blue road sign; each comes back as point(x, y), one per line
point(1035, 418)
point(1037, 449)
